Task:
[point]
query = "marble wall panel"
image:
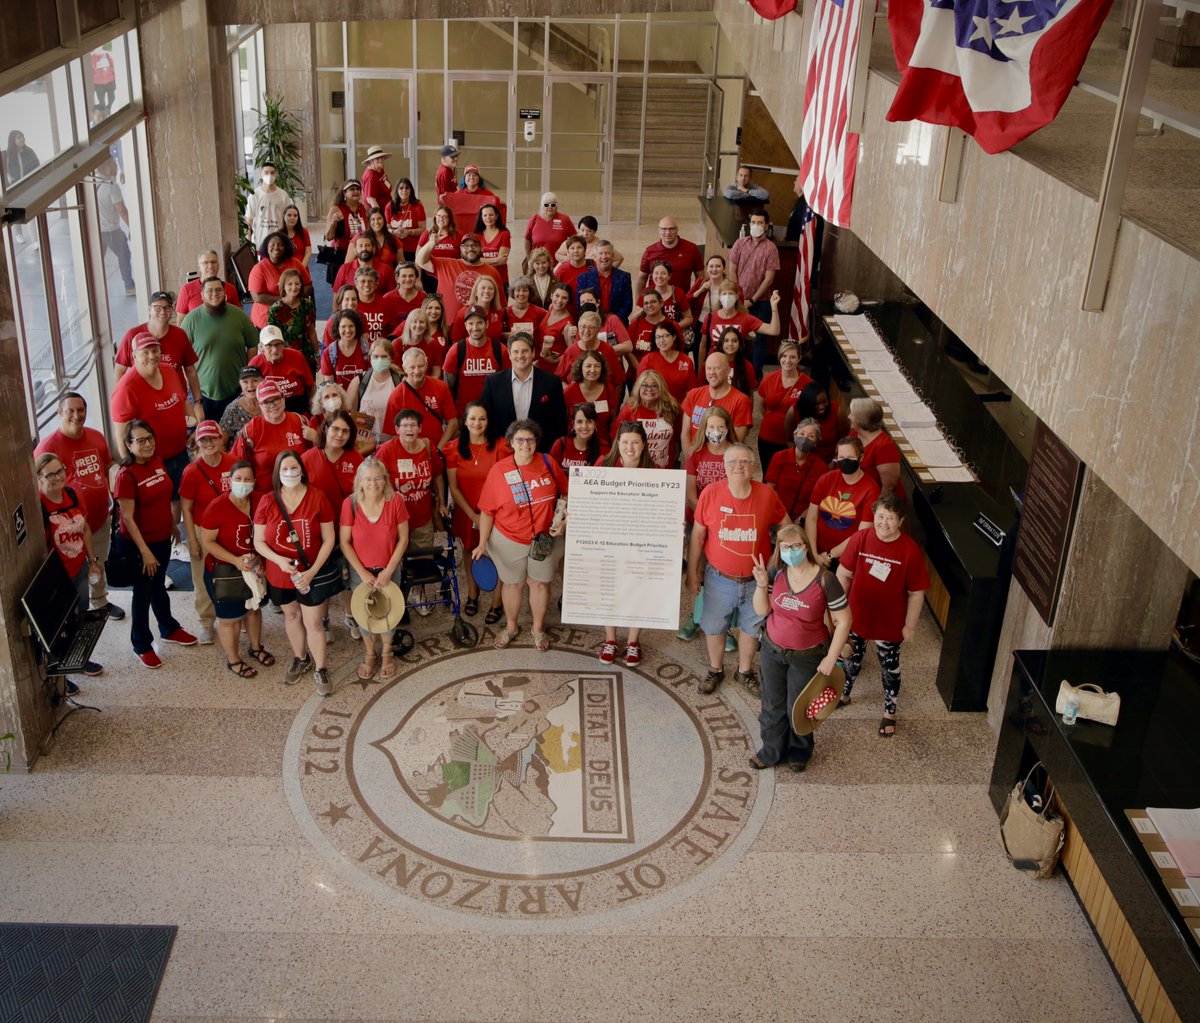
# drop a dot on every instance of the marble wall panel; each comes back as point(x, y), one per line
point(1004, 268)
point(289, 60)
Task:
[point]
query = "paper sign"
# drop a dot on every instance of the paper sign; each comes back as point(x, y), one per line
point(1162, 859)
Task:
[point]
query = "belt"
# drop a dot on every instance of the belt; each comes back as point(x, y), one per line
point(822, 648)
point(733, 578)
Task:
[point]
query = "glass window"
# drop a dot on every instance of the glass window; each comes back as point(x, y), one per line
point(631, 45)
point(106, 80)
point(112, 210)
point(25, 37)
point(333, 174)
point(481, 45)
point(531, 45)
point(329, 44)
point(580, 46)
point(250, 85)
point(331, 106)
point(94, 14)
point(64, 220)
point(379, 44)
point(431, 45)
point(627, 128)
point(431, 110)
point(682, 47)
point(36, 124)
point(33, 313)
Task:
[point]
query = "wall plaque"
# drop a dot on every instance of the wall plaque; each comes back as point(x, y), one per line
point(1051, 497)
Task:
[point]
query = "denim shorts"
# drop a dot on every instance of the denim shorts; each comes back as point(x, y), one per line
point(721, 598)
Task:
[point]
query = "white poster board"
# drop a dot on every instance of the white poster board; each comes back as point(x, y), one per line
point(624, 547)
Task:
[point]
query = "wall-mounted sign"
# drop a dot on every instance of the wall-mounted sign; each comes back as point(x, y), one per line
point(531, 113)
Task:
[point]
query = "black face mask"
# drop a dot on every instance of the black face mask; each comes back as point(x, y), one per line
point(588, 307)
point(848, 466)
point(805, 444)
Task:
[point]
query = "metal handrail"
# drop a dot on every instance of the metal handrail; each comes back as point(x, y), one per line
point(1159, 113)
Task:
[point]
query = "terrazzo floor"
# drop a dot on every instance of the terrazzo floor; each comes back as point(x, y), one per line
point(876, 888)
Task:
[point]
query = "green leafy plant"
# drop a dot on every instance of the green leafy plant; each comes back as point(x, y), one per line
point(243, 188)
point(277, 140)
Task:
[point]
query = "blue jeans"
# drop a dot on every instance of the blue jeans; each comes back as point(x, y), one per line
point(150, 594)
point(721, 598)
point(118, 244)
point(784, 673)
point(759, 354)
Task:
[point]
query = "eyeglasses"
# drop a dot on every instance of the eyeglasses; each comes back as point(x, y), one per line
point(549, 205)
point(60, 474)
point(144, 439)
point(739, 461)
point(524, 440)
point(792, 547)
point(270, 401)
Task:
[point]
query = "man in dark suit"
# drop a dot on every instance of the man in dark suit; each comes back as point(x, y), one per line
point(615, 286)
point(525, 392)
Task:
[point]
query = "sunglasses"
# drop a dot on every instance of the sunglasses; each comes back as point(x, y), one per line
point(549, 205)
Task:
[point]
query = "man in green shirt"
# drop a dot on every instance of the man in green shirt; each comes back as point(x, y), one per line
point(224, 340)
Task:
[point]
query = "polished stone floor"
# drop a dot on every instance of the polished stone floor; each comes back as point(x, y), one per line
point(871, 887)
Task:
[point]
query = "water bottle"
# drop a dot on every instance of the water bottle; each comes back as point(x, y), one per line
point(298, 579)
point(1070, 712)
point(94, 576)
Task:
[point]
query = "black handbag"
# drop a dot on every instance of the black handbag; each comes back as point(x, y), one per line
point(328, 255)
point(228, 584)
point(124, 562)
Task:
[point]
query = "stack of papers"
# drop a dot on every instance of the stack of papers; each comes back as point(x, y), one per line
point(1180, 830)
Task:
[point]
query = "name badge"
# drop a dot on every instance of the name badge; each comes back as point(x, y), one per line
point(602, 405)
point(405, 466)
point(880, 570)
point(727, 511)
point(512, 476)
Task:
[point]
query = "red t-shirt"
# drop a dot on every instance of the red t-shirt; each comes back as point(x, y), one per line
point(310, 513)
point(292, 372)
point(261, 442)
point(699, 400)
point(497, 326)
point(530, 322)
point(743, 323)
point(190, 298)
point(776, 402)
point(491, 250)
point(149, 487)
point(548, 234)
point(177, 350)
point(797, 619)
point(334, 479)
point(830, 432)
point(738, 528)
point(65, 531)
point(706, 467)
point(569, 274)
point(684, 261)
point(558, 345)
point(841, 507)
point(616, 368)
point(882, 451)
point(477, 365)
point(405, 218)
point(378, 316)
point(521, 499)
point(400, 306)
point(662, 438)
point(385, 270)
point(456, 278)
point(607, 406)
point(884, 575)
point(794, 483)
point(445, 182)
point(86, 461)
point(264, 278)
point(433, 400)
point(342, 367)
point(412, 476)
point(471, 473)
point(641, 331)
point(567, 455)
point(165, 409)
point(375, 185)
point(195, 487)
point(235, 531)
point(445, 247)
point(374, 542)
point(680, 375)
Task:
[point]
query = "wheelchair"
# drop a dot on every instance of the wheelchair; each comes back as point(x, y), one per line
point(434, 570)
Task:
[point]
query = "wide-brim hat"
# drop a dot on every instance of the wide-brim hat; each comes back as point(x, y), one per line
point(377, 611)
point(817, 700)
point(375, 152)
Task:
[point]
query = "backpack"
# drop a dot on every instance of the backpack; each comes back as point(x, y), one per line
point(46, 513)
point(332, 349)
point(462, 358)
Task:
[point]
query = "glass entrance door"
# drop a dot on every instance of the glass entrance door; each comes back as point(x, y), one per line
point(479, 119)
point(380, 112)
point(579, 144)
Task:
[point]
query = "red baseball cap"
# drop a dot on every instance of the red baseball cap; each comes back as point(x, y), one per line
point(145, 340)
point(208, 428)
point(268, 390)
point(474, 310)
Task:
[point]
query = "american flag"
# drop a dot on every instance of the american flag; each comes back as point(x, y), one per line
point(802, 287)
point(829, 153)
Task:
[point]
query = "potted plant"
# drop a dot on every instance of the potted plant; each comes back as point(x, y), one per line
point(277, 140)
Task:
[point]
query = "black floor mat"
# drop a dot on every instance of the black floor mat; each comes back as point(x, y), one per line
point(72, 973)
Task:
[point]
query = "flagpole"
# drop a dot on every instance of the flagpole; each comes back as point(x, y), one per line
point(858, 96)
point(1120, 153)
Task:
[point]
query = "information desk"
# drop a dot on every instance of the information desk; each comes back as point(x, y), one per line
point(1151, 758)
point(969, 573)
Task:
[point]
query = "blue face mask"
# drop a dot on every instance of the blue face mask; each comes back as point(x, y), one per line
point(793, 556)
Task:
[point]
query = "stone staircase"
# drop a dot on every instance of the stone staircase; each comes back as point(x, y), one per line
point(673, 157)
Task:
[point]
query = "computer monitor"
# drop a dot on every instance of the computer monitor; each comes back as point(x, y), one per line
point(50, 600)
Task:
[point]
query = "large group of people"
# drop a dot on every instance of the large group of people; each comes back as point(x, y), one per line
point(290, 465)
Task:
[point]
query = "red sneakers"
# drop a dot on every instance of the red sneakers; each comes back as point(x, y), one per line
point(182, 637)
point(633, 654)
point(608, 653)
point(150, 659)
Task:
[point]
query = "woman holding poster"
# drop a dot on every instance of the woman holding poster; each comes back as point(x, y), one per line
point(652, 406)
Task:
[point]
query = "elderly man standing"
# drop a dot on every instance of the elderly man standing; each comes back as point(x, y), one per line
point(376, 187)
point(428, 395)
point(733, 524)
point(615, 286)
point(224, 339)
point(753, 264)
point(548, 229)
point(682, 256)
point(717, 390)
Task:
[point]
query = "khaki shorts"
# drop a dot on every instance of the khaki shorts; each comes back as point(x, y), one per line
point(513, 562)
point(420, 536)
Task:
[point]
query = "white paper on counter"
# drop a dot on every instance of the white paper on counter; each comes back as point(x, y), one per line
point(894, 387)
point(915, 413)
point(961, 474)
point(877, 362)
point(936, 454)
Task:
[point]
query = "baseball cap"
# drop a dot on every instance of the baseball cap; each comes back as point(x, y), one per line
point(208, 428)
point(269, 334)
point(145, 340)
point(162, 296)
point(249, 371)
point(268, 390)
point(474, 310)
point(469, 237)
point(470, 167)
point(352, 183)
point(449, 151)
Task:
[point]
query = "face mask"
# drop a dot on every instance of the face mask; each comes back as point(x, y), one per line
point(793, 556)
point(849, 466)
point(331, 404)
point(728, 301)
point(805, 443)
point(241, 489)
point(290, 477)
point(757, 230)
point(587, 307)
point(380, 363)
point(715, 436)
point(268, 179)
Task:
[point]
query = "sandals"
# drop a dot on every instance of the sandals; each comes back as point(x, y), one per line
point(367, 669)
point(471, 607)
point(242, 670)
point(495, 613)
point(757, 764)
point(263, 656)
point(843, 701)
point(389, 670)
point(540, 643)
point(887, 727)
point(506, 637)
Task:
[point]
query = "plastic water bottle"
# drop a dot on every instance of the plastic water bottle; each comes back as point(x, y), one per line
point(1070, 712)
point(298, 579)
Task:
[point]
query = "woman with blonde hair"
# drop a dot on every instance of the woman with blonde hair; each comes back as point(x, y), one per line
point(651, 404)
point(373, 530)
point(541, 280)
point(485, 295)
point(369, 395)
